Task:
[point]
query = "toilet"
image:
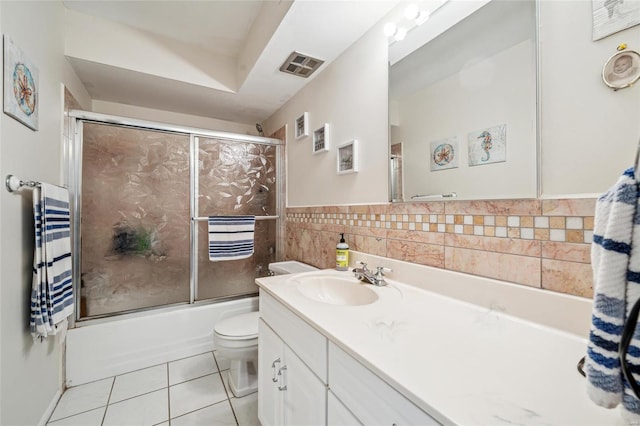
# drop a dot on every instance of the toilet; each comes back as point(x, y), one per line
point(236, 338)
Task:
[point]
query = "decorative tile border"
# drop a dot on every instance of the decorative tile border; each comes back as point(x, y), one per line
point(573, 229)
point(538, 243)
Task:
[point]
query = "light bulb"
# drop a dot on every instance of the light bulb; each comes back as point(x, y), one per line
point(401, 33)
point(389, 29)
point(422, 17)
point(412, 11)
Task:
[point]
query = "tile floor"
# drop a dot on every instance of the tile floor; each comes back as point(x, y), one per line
point(186, 392)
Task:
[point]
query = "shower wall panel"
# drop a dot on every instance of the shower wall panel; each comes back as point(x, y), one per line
point(236, 178)
point(135, 219)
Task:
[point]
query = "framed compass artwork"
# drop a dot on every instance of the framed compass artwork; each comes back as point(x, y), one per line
point(21, 95)
point(444, 154)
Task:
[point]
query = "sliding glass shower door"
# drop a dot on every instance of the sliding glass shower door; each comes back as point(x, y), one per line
point(135, 219)
point(235, 178)
point(143, 196)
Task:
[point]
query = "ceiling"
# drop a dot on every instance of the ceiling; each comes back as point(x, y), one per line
point(217, 58)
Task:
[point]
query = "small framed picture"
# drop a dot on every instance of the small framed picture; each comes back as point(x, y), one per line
point(21, 95)
point(622, 69)
point(302, 126)
point(488, 145)
point(445, 154)
point(348, 157)
point(321, 139)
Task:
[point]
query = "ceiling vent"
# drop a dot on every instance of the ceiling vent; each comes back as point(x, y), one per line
point(300, 65)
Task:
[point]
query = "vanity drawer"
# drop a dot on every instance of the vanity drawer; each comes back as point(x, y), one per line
point(306, 342)
point(368, 397)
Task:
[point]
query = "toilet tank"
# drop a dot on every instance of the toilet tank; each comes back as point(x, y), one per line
point(290, 267)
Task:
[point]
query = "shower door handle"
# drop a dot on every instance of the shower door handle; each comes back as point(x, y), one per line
point(273, 365)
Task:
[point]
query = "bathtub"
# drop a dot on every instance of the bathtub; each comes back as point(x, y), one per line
point(104, 348)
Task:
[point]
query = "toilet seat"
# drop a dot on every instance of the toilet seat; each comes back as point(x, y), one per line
point(239, 327)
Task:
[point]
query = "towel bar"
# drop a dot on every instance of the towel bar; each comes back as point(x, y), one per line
point(14, 183)
point(257, 218)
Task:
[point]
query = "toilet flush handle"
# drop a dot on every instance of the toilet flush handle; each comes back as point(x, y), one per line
point(274, 379)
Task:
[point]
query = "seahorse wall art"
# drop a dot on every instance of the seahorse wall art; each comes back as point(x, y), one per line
point(488, 145)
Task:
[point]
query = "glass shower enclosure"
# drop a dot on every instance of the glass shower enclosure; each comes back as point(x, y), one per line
point(142, 193)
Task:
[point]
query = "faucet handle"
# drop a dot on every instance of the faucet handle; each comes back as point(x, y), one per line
point(380, 273)
point(364, 265)
point(382, 269)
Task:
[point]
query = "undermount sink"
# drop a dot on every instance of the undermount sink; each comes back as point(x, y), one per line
point(336, 290)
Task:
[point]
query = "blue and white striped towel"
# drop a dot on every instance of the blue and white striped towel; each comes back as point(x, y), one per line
point(615, 259)
point(52, 287)
point(231, 237)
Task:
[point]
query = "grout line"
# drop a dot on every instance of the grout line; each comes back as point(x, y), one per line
point(215, 361)
point(168, 397)
point(140, 394)
point(187, 357)
point(104, 416)
point(226, 391)
point(224, 386)
point(195, 378)
point(52, 423)
point(201, 408)
point(233, 411)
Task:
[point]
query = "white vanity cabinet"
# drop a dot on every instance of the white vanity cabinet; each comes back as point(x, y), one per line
point(371, 400)
point(338, 414)
point(292, 368)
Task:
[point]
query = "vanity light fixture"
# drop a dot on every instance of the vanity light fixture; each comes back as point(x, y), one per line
point(412, 11)
point(423, 17)
point(413, 17)
point(401, 33)
point(390, 29)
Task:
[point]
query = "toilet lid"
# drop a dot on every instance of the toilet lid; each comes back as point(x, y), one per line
point(243, 325)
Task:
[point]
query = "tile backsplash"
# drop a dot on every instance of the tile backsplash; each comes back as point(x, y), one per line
point(538, 243)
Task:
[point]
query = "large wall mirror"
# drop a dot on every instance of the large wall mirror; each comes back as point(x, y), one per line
point(463, 105)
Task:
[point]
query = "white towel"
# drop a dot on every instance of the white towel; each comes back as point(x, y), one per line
point(231, 237)
point(615, 259)
point(52, 288)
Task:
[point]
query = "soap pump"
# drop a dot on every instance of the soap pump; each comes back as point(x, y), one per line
point(342, 255)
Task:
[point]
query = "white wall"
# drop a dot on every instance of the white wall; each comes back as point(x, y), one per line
point(351, 96)
point(98, 40)
point(30, 372)
point(497, 90)
point(168, 117)
point(589, 132)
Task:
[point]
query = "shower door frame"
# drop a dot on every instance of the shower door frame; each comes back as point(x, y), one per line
point(72, 169)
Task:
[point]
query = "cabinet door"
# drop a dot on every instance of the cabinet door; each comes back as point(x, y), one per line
point(305, 397)
point(337, 414)
point(368, 397)
point(270, 361)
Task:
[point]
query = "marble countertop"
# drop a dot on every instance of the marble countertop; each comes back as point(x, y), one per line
point(461, 363)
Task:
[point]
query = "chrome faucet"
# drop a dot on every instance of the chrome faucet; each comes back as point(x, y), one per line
point(368, 276)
